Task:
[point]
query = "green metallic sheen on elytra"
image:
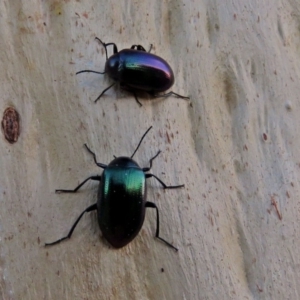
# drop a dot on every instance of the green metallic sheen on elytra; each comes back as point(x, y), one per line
point(121, 201)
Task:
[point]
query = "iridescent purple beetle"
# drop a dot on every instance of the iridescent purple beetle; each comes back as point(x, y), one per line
point(137, 70)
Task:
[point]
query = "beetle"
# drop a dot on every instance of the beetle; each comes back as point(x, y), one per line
point(137, 70)
point(121, 200)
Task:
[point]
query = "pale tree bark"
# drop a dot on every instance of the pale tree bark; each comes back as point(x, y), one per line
point(235, 146)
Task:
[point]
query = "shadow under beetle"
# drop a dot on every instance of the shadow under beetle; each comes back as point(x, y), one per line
point(137, 70)
point(121, 201)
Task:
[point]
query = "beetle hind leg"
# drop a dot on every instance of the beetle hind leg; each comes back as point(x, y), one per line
point(169, 94)
point(90, 208)
point(152, 205)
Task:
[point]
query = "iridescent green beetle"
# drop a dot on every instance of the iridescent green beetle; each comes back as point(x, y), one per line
point(121, 201)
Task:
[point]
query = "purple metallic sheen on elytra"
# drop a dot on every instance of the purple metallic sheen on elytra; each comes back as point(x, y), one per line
point(140, 70)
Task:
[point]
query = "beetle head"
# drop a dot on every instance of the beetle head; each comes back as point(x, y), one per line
point(123, 162)
point(112, 66)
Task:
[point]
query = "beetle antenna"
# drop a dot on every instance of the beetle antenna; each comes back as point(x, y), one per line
point(103, 45)
point(108, 44)
point(141, 141)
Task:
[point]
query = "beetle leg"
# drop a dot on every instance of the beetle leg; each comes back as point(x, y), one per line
point(140, 48)
point(130, 90)
point(90, 208)
point(104, 91)
point(103, 166)
point(98, 178)
point(152, 205)
point(89, 71)
point(133, 92)
point(136, 98)
point(163, 184)
point(148, 169)
point(169, 94)
point(108, 44)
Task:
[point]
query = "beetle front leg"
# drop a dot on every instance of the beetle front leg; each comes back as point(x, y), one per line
point(152, 205)
point(98, 178)
point(90, 208)
point(163, 184)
